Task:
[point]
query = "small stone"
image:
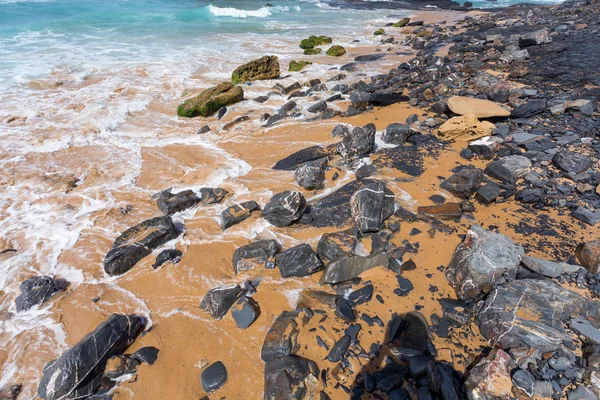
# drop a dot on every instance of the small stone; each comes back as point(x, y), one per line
point(219, 300)
point(147, 355)
point(298, 261)
point(371, 206)
point(245, 312)
point(284, 208)
point(488, 193)
point(213, 377)
point(237, 213)
point(344, 310)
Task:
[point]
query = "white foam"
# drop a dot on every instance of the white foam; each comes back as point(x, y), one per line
point(237, 13)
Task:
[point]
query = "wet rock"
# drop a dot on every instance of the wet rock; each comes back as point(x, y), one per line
point(235, 122)
point(261, 252)
point(237, 213)
point(529, 313)
point(357, 143)
point(147, 355)
point(78, 372)
point(343, 310)
point(349, 267)
point(266, 67)
point(585, 329)
point(212, 195)
point(282, 337)
point(443, 211)
point(405, 286)
point(284, 208)
point(317, 107)
point(585, 215)
point(508, 169)
point(290, 377)
point(390, 377)
point(317, 299)
point(488, 193)
point(211, 100)
point(298, 261)
point(245, 312)
point(361, 296)
point(456, 311)
point(365, 171)
point(213, 377)
point(371, 206)
point(477, 107)
point(588, 254)
point(300, 157)
point(165, 256)
point(396, 134)
point(170, 203)
point(490, 378)
point(311, 175)
point(38, 290)
point(339, 349)
point(482, 258)
point(335, 245)
point(464, 183)
point(570, 162)
point(530, 195)
point(219, 300)
point(529, 109)
point(137, 242)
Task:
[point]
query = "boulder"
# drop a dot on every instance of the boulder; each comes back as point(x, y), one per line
point(396, 134)
point(213, 377)
point(464, 183)
point(297, 66)
point(261, 252)
point(38, 290)
point(211, 100)
point(137, 242)
point(314, 41)
point(478, 108)
point(170, 203)
point(165, 256)
point(78, 372)
point(336, 51)
point(535, 38)
point(508, 169)
point(284, 208)
point(349, 267)
point(402, 23)
point(490, 379)
point(245, 312)
point(335, 245)
point(311, 175)
point(300, 157)
point(237, 213)
point(219, 300)
point(480, 260)
point(588, 254)
point(318, 107)
point(466, 127)
point(266, 67)
point(290, 377)
point(357, 143)
point(571, 162)
point(298, 261)
point(371, 206)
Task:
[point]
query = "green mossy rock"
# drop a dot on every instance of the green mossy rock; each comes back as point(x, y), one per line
point(312, 52)
point(314, 41)
point(297, 66)
point(402, 23)
point(336, 51)
point(266, 67)
point(379, 31)
point(424, 34)
point(211, 100)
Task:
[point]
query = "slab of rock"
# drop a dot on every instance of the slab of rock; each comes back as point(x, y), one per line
point(490, 378)
point(213, 377)
point(465, 127)
point(570, 162)
point(480, 260)
point(488, 193)
point(464, 183)
point(300, 157)
point(551, 269)
point(529, 109)
point(583, 106)
point(585, 329)
point(137, 242)
point(444, 211)
point(311, 175)
point(237, 213)
point(396, 134)
point(170, 203)
point(37, 290)
point(358, 142)
point(266, 67)
point(284, 208)
point(212, 195)
point(219, 300)
point(529, 313)
point(290, 377)
point(585, 215)
point(78, 372)
point(371, 206)
point(261, 252)
point(298, 261)
point(588, 254)
point(211, 100)
point(349, 267)
point(282, 337)
point(477, 107)
point(508, 169)
point(335, 245)
point(245, 312)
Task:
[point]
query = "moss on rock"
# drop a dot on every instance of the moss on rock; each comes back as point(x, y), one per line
point(312, 52)
point(297, 66)
point(379, 31)
point(211, 100)
point(336, 51)
point(266, 67)
point(314, 41)
point(424, 34)
point(402, 23)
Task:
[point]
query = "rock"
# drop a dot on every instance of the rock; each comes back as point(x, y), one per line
point(137, 242)
point(547, 268)
point(314, 41)
point(290, 377)
point(165, 256)
point(266, 67)
point(404, 286)
point(529, 313)
point(335, 245)
point(316, 108)
point(298, 261)
point(78, 372)
point(524, 382)
point(147, 355)
point(371, 206)
point(588, 254)
point(508, 169)
point(478, 108)
point(529, 109)
point(488, 193)
point(257, 253)
point(360, 100)
point(585, 329)
point(535, 38)
point(570, 162)
point(379, 31)
point(396, 134)
point(213, 377)
point(170, 203)
point(482, 258)
point(444, 211)
point(311, 175)
point(211, 100)
point(235, 122)
point(219, 300)
point(284, 208)
point(349, 267)
point(212, 195)
point(582, 106)
point(336, 51)
point(585, 215)
point(530, 195)
point(339, 349)
point(465, 127)
point(359, 142)
point(490, 378)
point(365, 171)
point(282, 338)
point(581, 393)
point(10, 392)
point(261, 99)
point(237, 213)
point(312, 52)
point(38, 290)
point(297, 66)
point(486, 147)
point(300, 157)
point(245, 312)
point(369, 57)
point(464, 183)
point(456, 311)
point(205, 129)
point(402, 23)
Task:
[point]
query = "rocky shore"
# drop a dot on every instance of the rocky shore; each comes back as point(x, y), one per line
point(441, 235)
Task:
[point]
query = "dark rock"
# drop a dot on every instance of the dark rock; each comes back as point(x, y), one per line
point(488, 193)
point(548, 268)
point(361, 296)
point(360, 100)
point(570, 162)
point(335, 245)
point(529, 109)
point(343, 309)
point(396, 134)
point(366, 171)
point(443, 211)
point(147, 355)
point(486, 147)
point(261, 99)
point(369, 57)
point(585, 329)
point(282, 337)
point(250, 255)
point(78, 372)
point(203, 130)
point(371, 206)
point(284, 208)
point(170, 203)
point(349, 267)
point(212, 195)
point(357, 143)
point(404, 286)
point(508, 169)
point(464, 183)
point(38, 290)
point(213, 377)
point(524, 382)
point(585, 215)
point(294, 160)
point(417, 365)
point(390, 377)
point(298, 261)
point(237, 213)
point(137, 242)
point(455, 311)
point(340, 130)
point(245, 312)
point(339, 349)
point(221, 113)
point(169, 255)
point(437, 199)
point(490, 378)
point(530, 195)
point(317, 107)
point(289, 377)
point(311, 175)
point(219, 300)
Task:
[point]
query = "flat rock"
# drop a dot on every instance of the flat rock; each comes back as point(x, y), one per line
point(571, 162)
point(444, 211)
point(547, 268)
point(585, 329)
point(245, 312)
point(219, 300)
point(488, 193)
point(213, 377)
point(335, 245)
point(464, 183)
point(237, 213)
point(284, 208)
point(298, 261)
point(465, 127)
point(529, 109)
point(371, 206)
point(477, 107)
point(261, 252)
point(508, 169)
point(585, 215)
point(349, 267)
point(294, 160)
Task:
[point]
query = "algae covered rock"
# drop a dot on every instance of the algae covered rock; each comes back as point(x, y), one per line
point(211, 100)
point(312, 52)
point(379, 31)
point(266, 67)
point(314, 41)
point(297, 66)
point(424, 34)
point(402, 23)
point(336, 51)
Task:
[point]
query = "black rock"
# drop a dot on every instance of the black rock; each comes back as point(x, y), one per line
point(361, 296)
point(169, 255)
point(488, 193)
point(371, 206)
point(585, 215)
point(170, 203)
point(396, 134)
point(335, 245)
point(294, 160)
point(137, 242)
point(366, 171)
point(464, 183)
point(349, 267)
point(570, 162)
point(37, 290)
point(213, 377)
point(417, 365)
point(343, 309)
point(437, 199)
point(287, 377)
point(284, 208)
point(339, 349)
point(261, 99)
point(405, 286)
point(455, 311)
point(146, 355)
point(237, 213)
point(219, 300)
point(245, 312)
point(508, 169)
point(524, 381)
point(530, 195)
point(369, 57)
point(340, 130)
point(317, 107)
point(78, 372)
point(359, 142)
point(204, 129)
point(282, 337)
point(311, 175)
point(260, 252)
point(222, 112)
point(529, 109)
point(390, 377)
point(298, 261)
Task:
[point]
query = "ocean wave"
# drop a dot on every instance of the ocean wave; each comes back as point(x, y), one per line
point(260, 13)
